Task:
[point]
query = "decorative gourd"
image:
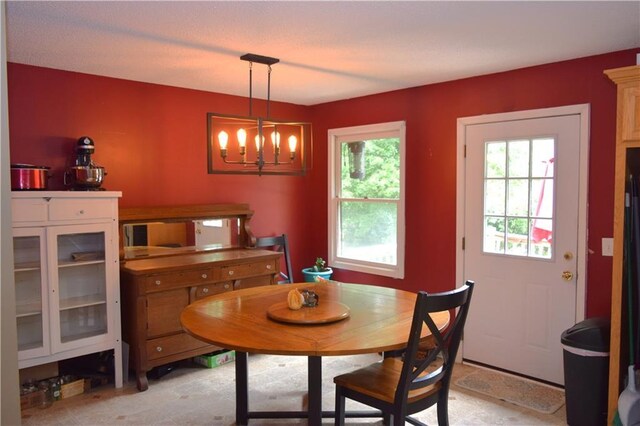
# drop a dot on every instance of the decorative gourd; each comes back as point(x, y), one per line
point(295, 299)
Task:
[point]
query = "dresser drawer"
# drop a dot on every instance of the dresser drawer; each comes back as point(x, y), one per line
point(163, 311)
point(165, 346)
point(29, 210)
point(178, 279)
point(235, 272)
point(253, 282)
point(71, 209)
point(209, 290)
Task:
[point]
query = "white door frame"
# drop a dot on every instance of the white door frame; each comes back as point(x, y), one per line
point(583, 111)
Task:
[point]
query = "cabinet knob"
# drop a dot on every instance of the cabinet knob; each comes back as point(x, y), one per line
point(269, 267)
point(231, 272)
point(158, 348)
point(205, 290)
point(158, 282)
point(226, 286)
point(204, 276)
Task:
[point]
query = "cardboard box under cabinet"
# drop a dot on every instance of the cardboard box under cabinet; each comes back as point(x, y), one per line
point(72, 389)
point(215, 359)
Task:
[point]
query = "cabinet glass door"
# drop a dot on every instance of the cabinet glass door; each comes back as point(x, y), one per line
point(31, 295)
point(80, 305)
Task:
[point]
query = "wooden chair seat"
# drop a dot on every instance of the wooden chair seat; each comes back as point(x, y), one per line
point(380, 381)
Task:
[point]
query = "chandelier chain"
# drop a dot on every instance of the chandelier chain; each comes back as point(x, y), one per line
point(250, 89)
point(268, 89)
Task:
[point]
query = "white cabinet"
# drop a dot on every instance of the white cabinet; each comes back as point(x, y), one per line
point(66, 276)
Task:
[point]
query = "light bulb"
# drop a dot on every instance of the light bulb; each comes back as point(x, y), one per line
point(293, 142)
point(223, 138)
point(258, 144)
point(275, 139)
point(242, 138)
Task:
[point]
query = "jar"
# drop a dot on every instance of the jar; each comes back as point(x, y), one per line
point(47, 395)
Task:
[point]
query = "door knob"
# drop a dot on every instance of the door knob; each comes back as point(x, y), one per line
point(567, 275)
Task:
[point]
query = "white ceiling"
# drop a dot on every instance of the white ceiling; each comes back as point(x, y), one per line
point(328, 50)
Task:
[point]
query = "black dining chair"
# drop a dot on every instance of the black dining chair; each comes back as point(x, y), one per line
point(281, 244)
point(406, 385)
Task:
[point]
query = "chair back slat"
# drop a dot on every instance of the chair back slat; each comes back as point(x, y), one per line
point(281, 244)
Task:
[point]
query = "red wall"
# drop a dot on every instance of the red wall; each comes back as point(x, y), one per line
point(151, 139)
point(431, 113)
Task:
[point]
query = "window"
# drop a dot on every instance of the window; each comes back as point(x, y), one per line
point(518, 197)
point(366, 198)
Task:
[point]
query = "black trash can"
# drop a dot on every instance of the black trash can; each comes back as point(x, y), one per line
point(586, 371)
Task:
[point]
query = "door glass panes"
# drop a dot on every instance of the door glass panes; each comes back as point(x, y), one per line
point(495, 159)
point(518, 197)
point(28, 282)
point(494, 197)
point(82, 285)
point(368, 231)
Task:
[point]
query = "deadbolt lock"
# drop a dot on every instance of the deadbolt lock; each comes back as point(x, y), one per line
point(568, 256)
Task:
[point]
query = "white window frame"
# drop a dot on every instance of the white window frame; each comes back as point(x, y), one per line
point(366, 132)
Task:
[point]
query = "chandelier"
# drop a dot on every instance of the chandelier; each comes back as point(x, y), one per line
point(256, 145)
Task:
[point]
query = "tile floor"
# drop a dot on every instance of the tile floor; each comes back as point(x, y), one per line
point(194, 395)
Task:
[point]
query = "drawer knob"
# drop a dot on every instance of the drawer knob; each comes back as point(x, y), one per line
point(205, 290)
point(230, 272)
point(81, 212)
point(226, 286)
point(204, 276)
point(268, 266)
point(158, 282)
point(159, 348)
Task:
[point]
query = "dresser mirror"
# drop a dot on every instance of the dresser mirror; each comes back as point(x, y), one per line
point(163, 231)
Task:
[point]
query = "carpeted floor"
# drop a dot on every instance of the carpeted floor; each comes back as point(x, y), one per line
point(194, 395)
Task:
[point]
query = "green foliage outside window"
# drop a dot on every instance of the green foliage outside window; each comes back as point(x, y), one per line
point(366, 223)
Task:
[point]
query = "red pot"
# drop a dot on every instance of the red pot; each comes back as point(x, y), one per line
point(27, 177)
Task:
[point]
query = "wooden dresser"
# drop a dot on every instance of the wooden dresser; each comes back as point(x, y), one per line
point(156, 288)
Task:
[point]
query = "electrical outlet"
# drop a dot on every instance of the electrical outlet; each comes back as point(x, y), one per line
point(607, 246)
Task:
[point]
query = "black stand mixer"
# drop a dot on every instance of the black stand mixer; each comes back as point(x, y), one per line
point(84, 175)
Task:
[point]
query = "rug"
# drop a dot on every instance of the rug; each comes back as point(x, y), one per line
point(515, 390)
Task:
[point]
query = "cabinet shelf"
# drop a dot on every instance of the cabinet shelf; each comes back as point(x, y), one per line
point(28, 309)
point(82, 301)
point(75, 263)
point(26, 266)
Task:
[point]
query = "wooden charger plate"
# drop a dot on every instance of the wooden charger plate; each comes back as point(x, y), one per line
point(325, 312)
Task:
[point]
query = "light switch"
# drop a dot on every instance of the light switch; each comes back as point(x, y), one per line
point(607, 246)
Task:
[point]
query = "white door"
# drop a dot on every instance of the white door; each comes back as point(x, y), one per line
point(521, 236)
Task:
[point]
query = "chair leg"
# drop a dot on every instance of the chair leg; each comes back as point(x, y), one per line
point(398, 419)
point(443, 409)
point(340, 403)
point(386, 419)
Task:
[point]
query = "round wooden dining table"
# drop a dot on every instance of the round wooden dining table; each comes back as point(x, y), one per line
point(377, 319)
